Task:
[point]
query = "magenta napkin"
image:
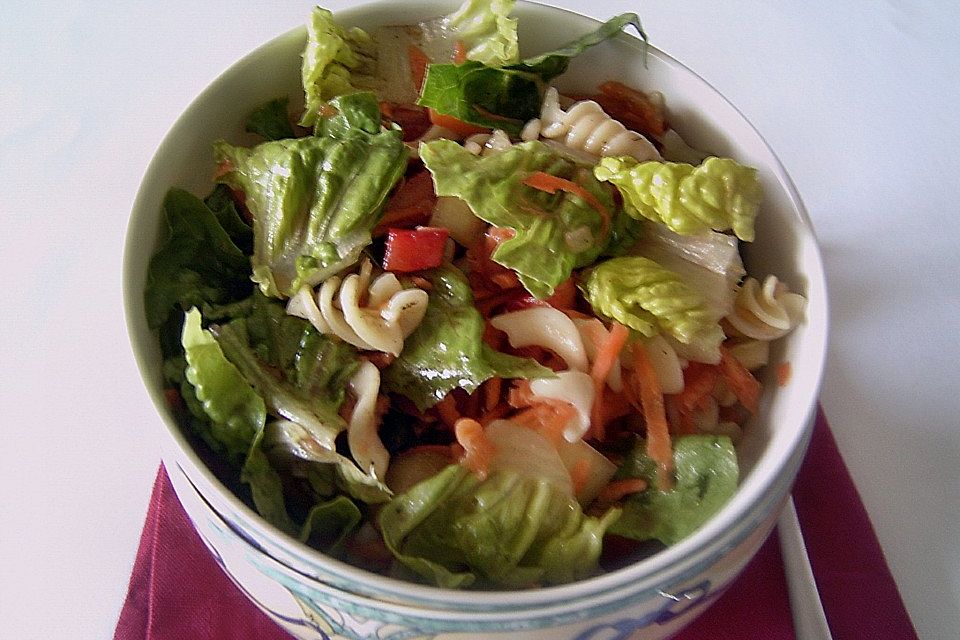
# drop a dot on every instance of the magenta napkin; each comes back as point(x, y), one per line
point(178, 592)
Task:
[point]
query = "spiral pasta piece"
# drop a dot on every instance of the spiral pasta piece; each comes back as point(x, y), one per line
point(374, 314)
point(765, 312)
point(544, 327)
point(587, 127)
point(575, 387)
point(362, 437)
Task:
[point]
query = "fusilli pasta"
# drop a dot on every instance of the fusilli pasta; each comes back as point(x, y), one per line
point(765, 312)
point(575, 387)
point(373, 315)
point(544, 327)
point(364, 442)
point(586, 126)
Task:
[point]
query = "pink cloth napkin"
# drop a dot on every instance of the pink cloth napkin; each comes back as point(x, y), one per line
point(178, 592)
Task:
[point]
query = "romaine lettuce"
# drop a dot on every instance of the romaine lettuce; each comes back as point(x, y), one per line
point(336, 61)
point(507, 530)
point(706, 477)
point(271, 120)
point(487, 31)
point(641, 294)
point(447, 351)
point(719, 194)
point(315, 200)
point(555, 233)
point(198, 264)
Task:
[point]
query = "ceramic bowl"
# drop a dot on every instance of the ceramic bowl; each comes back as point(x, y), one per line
point(314, 596)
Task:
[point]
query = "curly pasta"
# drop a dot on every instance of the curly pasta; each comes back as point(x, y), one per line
point(362, 437)
point(585, 126)
point(765, 312)
point(575, 387)
point(544, 327)
point(375, 315)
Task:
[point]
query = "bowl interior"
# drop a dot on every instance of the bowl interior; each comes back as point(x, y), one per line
point(785, 244)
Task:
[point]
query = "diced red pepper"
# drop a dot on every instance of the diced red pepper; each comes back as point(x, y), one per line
point(414, 249)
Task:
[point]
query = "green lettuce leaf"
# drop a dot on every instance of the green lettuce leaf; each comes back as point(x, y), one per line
point(317, 414)
point(487, 31)
point(484, 93)
point(446, 350)
point(220, 202)
point(507, 530)
point(315, 200)
point(555, 233)
point(266, 487)
point(706, 477)
point(271, 120)
point(328, 523)
point(483, 96)
point(719, 194)
point(336, 61)
point(553, 63)
point(641, 294)
point(198, 264)
point(235, 410)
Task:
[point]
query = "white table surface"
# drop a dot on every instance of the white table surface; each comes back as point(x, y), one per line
point(858, 98)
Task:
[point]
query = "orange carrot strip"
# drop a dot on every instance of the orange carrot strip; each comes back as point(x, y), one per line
point(477, 449)
point(418, 65)
point(447, 410)
point(607, 354)
point(740, 381)
point(459, 52)
point(496, 413)
point(579, 474)
point(639, 105)
point(699, 381)
point(658, 432)
point(542, 181)
point(455, 124)
point(619, 489)
point(549, 418)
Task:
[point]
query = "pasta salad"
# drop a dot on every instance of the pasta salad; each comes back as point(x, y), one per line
point(452, 325)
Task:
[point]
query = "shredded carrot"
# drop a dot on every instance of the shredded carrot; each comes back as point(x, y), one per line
point(447, 410)
point(654, 413)
point(520, 395)
point(542, 181)
point(549, 418)
point(422, 283)
point(783, 373)
point(459, 52)
point(381, 359)
point(419, 61)
point(699, 381)
point(477, 449)
point(607, 353)
point(740, 381)
point(455, 124)
point(619, 489)
point(579, 474)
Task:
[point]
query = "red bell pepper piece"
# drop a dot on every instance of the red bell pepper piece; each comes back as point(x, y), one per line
point(414, 249)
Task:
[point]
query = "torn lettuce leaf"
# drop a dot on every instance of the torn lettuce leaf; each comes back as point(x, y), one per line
point(486, 30)
point(266, 487)
point(483, 96)
point(456, 530)
point(555, 233)
point(336, 61)
point(720, 194)
point(235, 411)
point(553, 63)
point(648, 298)
point(706, 475)
point(484, 93)
point(315, 200)
point(271, 120)
point(198, 264)
point(446, 350)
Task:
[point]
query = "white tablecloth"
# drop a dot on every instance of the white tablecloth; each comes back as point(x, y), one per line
point(859, 99)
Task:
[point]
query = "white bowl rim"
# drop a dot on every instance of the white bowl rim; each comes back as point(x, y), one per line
point(654, 567)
